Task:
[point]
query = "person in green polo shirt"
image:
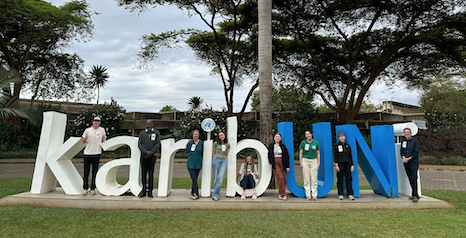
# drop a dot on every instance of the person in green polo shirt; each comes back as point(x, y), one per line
point(309, 159)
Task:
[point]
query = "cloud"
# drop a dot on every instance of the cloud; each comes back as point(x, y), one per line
point(176, 76)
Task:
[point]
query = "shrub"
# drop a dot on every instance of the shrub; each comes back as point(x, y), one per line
point(112, 117)
point(456, 160)
point(443, 143)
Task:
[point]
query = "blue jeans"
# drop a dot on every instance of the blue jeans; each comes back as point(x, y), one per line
point(219, 165)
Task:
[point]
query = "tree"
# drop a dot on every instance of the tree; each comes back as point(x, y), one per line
point(443, 103)
point(99, 77)
point(228, 47)
point(6, 104)
point(339, 49)
point(34, 33)
point(292, 104)
point(111, 114)
point(265, 68)
point(285, 98)
point(60, 76)
point(168, 108)
point(195, 103)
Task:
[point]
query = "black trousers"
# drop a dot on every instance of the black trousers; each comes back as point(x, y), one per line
point(411, 169)
point(194, 173)
point(345, 171)
point(88, 161)
point(248, 182)
point(147, 167)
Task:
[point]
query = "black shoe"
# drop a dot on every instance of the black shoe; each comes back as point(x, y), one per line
point(150, 195)
point(143, 194)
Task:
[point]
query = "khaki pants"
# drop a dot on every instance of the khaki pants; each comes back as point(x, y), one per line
point(310, 177)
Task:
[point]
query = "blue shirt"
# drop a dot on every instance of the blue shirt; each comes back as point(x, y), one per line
point(410, 148)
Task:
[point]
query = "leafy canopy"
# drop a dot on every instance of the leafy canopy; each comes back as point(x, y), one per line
point(34, 34)
point(339, 49)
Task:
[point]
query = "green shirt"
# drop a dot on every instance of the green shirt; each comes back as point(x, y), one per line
point(309, 149)
point(221, 150)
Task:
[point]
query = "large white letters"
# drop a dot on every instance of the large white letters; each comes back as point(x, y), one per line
point(106, 176)
point(262, 152)
point(54, 164)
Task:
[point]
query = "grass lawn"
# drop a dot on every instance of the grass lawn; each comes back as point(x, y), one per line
point(31, 221)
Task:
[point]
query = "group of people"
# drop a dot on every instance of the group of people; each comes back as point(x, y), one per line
point(278, 155)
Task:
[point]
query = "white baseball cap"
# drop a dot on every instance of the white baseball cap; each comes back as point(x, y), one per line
point(96, 119)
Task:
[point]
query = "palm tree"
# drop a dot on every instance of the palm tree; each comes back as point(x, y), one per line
point(195, 103)
point(265, 67)
point(99, 76)
point(6, 109)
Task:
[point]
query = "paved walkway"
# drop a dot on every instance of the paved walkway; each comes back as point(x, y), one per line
point(441, 177)
point(178, 199)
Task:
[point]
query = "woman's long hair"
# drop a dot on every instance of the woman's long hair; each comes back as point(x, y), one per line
point(220, 142)
point(245, 168)
point(281, 139)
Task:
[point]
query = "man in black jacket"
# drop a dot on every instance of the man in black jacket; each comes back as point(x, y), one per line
point(409, 153)
point(149, 144)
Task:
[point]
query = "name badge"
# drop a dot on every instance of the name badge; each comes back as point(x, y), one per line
point(279, 150)
point(224, 147)
point(153, 136)
point(97, 134)
point(306, 147)
point(193, 147)
point(404, 144)
point(340, 148)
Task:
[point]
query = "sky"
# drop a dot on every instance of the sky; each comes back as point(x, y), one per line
point(177, 75)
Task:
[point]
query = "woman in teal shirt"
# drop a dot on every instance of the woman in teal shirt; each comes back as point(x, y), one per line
point(194, 150)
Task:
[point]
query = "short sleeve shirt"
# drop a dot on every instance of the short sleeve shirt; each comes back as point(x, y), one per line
point(94, 140)
point(309, 149)
point(221, 150)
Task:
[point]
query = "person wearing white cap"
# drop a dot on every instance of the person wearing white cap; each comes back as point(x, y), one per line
point(93, 138)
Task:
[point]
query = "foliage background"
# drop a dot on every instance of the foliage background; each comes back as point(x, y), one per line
point(112, 117)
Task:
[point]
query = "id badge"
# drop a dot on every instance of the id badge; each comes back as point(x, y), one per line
point(279, 150)
point(306, 147)
point(224, 148)
point(193, 147)
point(340, 148)
point(404, 144)
point(152, 137)
point(97, 135)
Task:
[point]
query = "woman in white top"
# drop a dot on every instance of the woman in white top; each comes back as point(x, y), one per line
point(249, 173)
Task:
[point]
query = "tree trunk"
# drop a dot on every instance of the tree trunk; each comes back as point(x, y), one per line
point(265, 72)
point(265, 68)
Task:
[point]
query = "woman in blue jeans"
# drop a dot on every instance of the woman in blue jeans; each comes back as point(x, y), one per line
point(220, 153)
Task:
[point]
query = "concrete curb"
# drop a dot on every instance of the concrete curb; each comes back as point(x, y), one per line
point(178, 199)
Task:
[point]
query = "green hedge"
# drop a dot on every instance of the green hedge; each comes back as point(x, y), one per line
point(458, 160)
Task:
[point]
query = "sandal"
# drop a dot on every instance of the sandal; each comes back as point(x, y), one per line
point(254, 196)
point(194, 197)
point(215, 198)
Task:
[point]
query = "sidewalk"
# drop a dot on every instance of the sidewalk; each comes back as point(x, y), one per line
point(182, 160)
